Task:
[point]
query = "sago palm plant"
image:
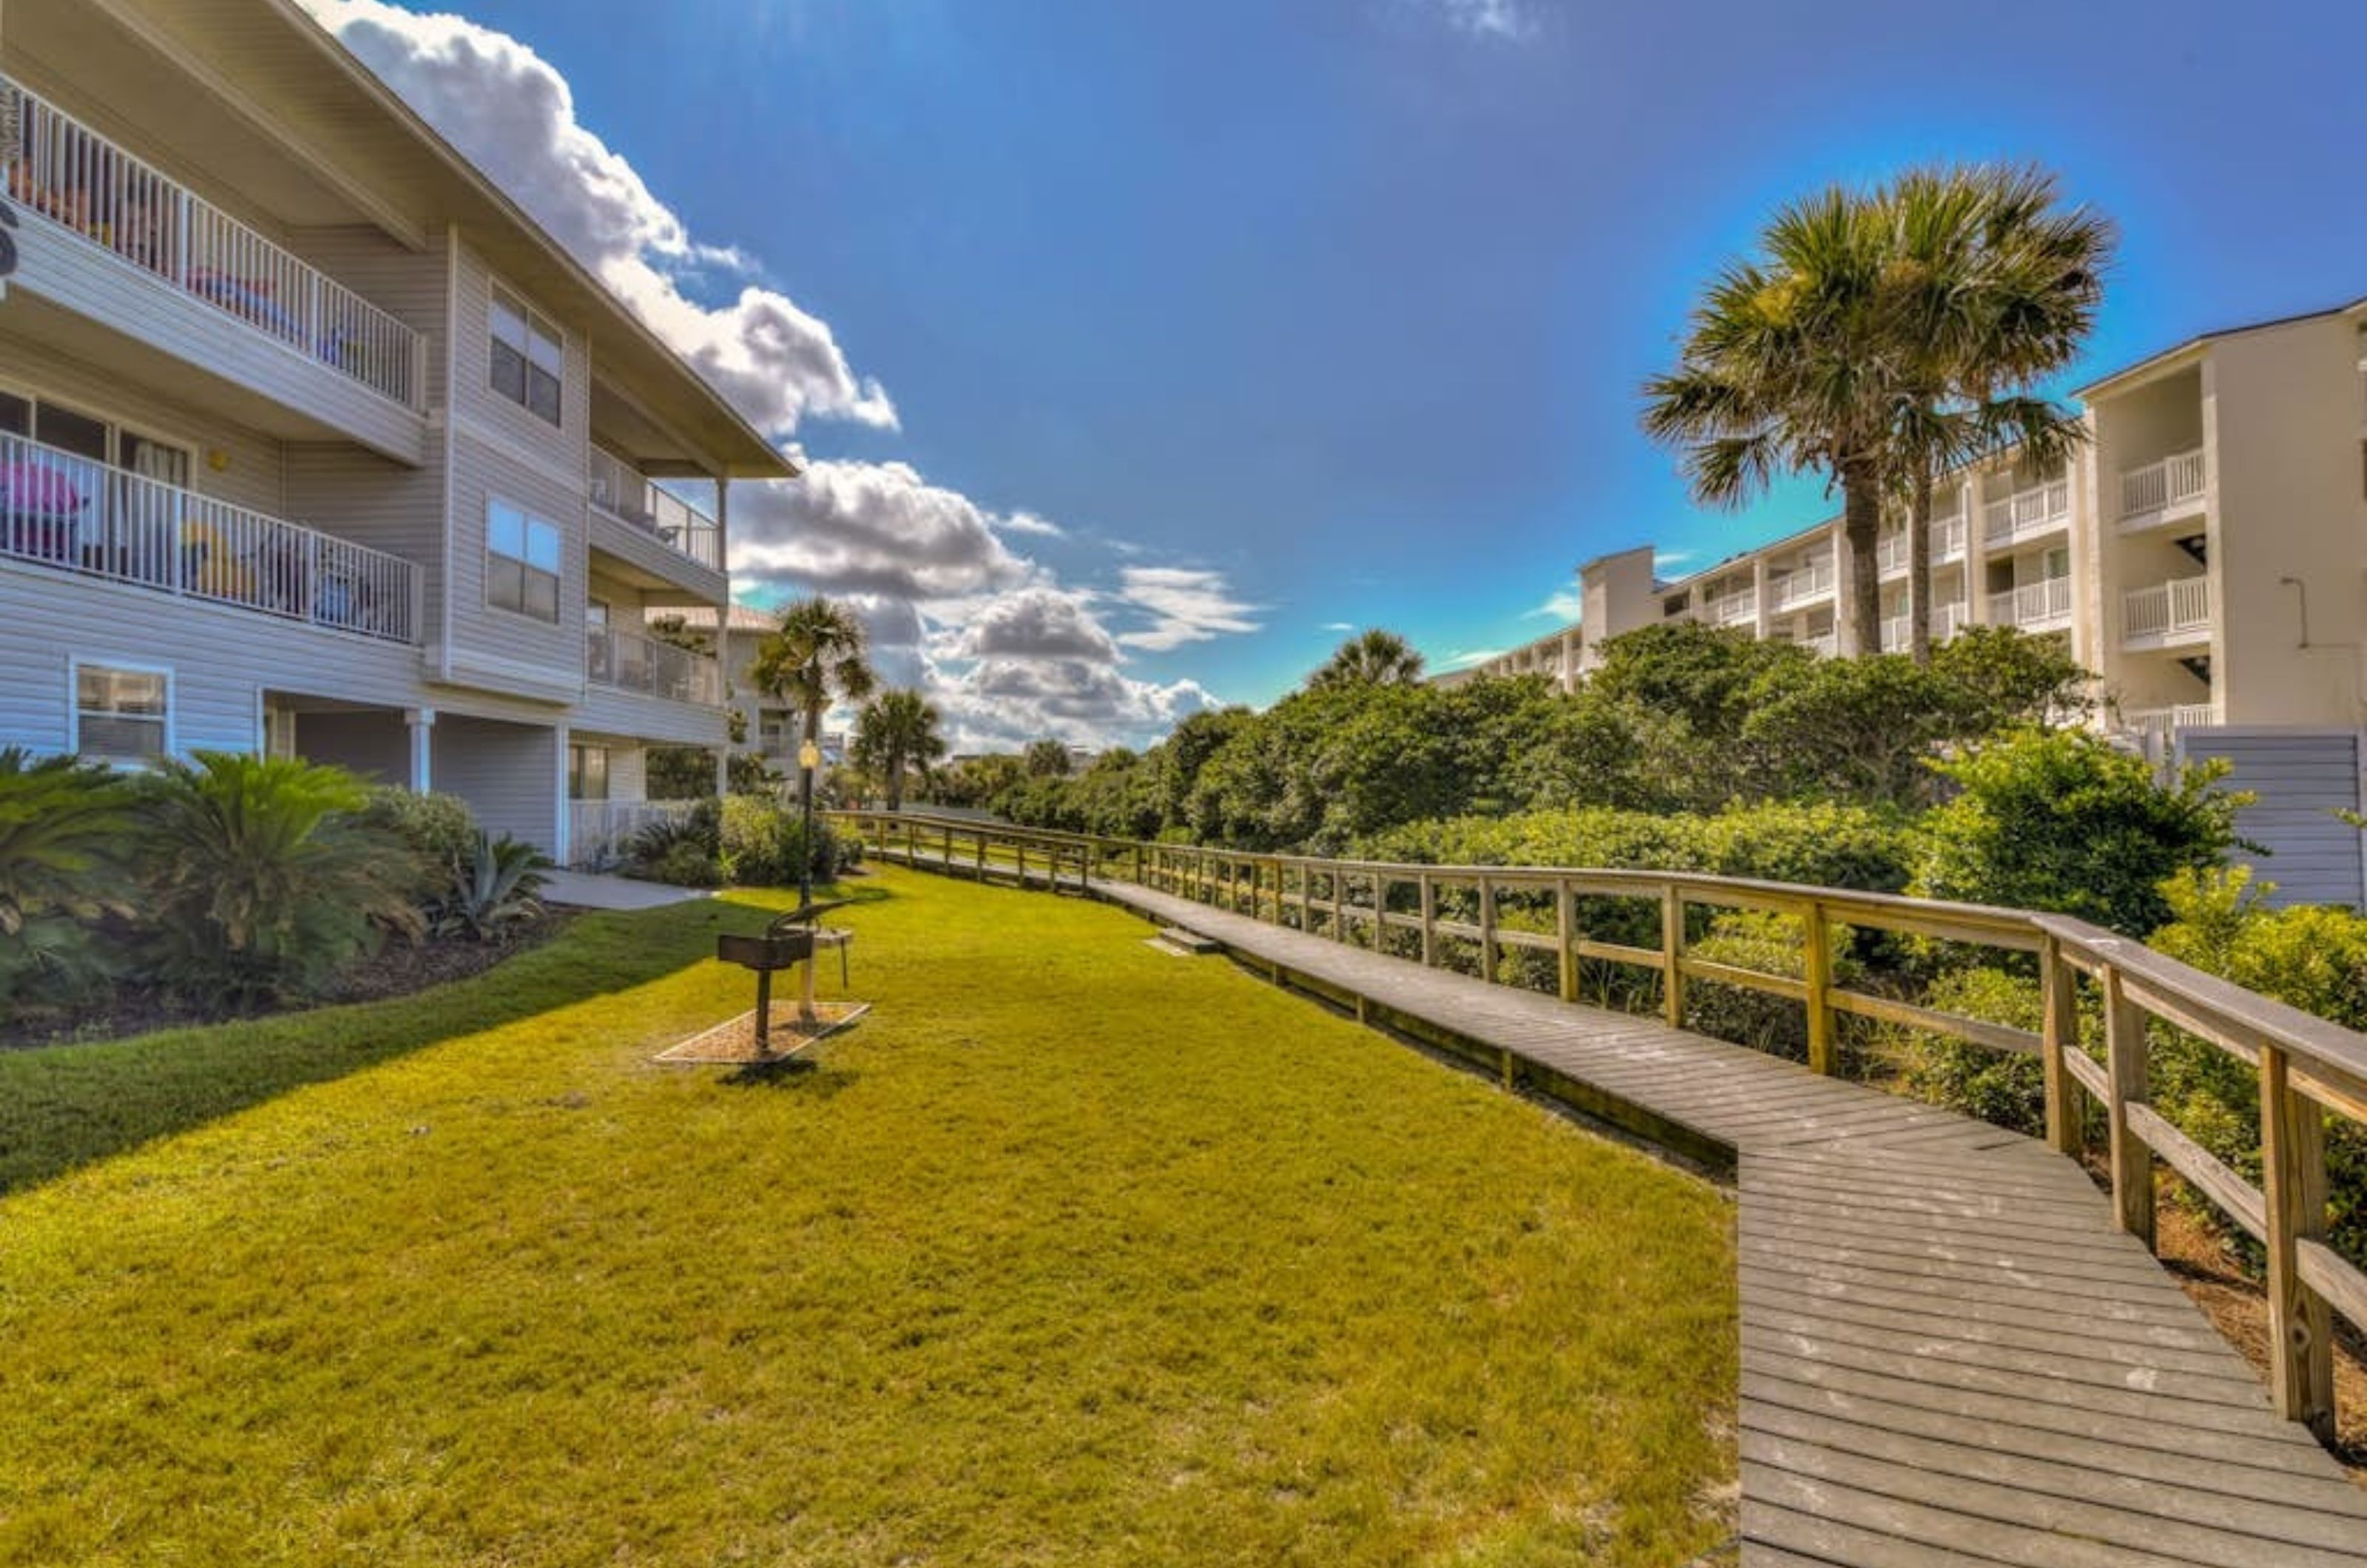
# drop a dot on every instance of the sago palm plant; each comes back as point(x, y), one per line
point(261, 883)
point(61, 825)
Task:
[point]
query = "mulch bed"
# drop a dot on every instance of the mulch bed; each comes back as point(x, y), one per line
point(398, 970)
point(732, 1043)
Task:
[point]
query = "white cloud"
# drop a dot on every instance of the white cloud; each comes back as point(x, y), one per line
point(952, 606)
point(1507, 19)
point(1666, 560)
point(514, 116)
point(1565, 605)
point(1466, 659)
point(1186, 604)
point(1339, 626)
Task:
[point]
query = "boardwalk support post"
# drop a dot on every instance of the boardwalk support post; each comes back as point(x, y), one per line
point(1566, 937)
point(2124, 1047)
point(2061, 1034)
point(1429, 921)
point(1487, 929)
point(1817, 955)
point(1672, 954)
point(2300, 1327)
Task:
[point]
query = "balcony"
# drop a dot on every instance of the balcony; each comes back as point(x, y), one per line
point(1790, 590)
point(2166, 722)
point(2026, 513)
point(2168, 615)
point(2164, 492)
point(1947, 544)
point(1946, 621)
point(1729, 609)
point(60, 171)
point(2040, 606)
point(631, 498)
point(631, 662)
point(73, 516)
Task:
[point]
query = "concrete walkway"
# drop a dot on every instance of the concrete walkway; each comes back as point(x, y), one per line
point(583, 890)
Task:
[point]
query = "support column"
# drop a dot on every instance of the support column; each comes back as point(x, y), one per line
point(562, 816)
point(422, 724)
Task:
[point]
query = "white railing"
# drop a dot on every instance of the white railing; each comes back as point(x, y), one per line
point(1948, 538)
point(2178, 608)
point(599, 831)
point(1798, 587)
point(2033, 606)
point(1824, 646)
point(626, 495)
point(1890, 552)
point(632, 662)
point(58, 168)
point(2166, 722)
point(2174, 481)
point(65, 511)
point(2032, 511)
point(1732, 607)
point(1946, 619)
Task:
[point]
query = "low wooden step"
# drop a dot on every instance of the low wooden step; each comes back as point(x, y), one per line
point(1177, 940)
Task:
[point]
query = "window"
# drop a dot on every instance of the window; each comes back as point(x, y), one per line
point(121, 715)
point(2056, 563)
point(528, 357)
point(521, 563)
point(587, 773)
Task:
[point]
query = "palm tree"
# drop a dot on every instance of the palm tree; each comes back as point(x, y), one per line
point(1375, 659)
point(1994, 286)
point(1785, 366)
point(814, 657)
point(1047, 759)
point(895, 731)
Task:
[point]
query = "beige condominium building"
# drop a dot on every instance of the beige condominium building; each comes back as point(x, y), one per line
point(2205, 554)
point(312, 443)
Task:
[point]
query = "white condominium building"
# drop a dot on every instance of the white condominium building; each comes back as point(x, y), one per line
point(2205, 553)
point(312, 443)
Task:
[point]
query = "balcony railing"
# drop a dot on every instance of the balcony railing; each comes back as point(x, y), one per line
point(1947, 543)
point(2176, 480)
point(1725, 609)
point(2165, 722)
point(2178, 610)
point(632, 662)
point(626, 496)
point(68, 513)
point(1791, 588)
point(1945, 621)
point(2033, 606)
point(58, 168)
point(2034, 510)
point(1890, 552)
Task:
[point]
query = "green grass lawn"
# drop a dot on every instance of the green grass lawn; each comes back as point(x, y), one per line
point(1072, 1252)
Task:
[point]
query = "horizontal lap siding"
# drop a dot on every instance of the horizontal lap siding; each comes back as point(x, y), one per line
point(501, 450)
point(2300, 778)
point(507, 773)
point(222, 659)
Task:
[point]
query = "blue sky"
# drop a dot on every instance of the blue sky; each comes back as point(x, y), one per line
point(1332, 313)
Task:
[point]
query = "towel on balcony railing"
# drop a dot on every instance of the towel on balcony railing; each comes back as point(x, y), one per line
point(249, 299)
point(39, 509)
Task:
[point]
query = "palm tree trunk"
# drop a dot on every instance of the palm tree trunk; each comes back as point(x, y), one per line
point(1918, 570)
point(895, 782)
point(1861, 526)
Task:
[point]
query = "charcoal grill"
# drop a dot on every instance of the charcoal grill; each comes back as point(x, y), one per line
point(790, 942)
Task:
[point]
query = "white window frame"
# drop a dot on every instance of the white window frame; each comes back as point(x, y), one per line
point(502, 296)
point(76, 663)
point(559, 573)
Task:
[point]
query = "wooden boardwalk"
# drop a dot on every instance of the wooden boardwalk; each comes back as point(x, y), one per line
point(1949, 1353)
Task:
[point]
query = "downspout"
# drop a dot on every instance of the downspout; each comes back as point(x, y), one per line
point(451, 438)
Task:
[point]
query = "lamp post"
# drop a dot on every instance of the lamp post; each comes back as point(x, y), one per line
point(809, 758)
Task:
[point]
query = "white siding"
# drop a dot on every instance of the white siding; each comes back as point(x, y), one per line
point(509, 774)
point(2302, 777)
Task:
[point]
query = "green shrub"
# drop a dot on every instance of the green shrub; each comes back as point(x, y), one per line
point(494, 889)
point(2062, 820)
point(686, 851)
point(1769, 945)
point(438, 833)
point(2313, 958)
point(762, 845)
point(261, 883)
point(60, 873)
point(2002, 1087)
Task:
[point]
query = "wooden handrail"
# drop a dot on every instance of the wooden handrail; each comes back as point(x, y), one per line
point(2308, 1065)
